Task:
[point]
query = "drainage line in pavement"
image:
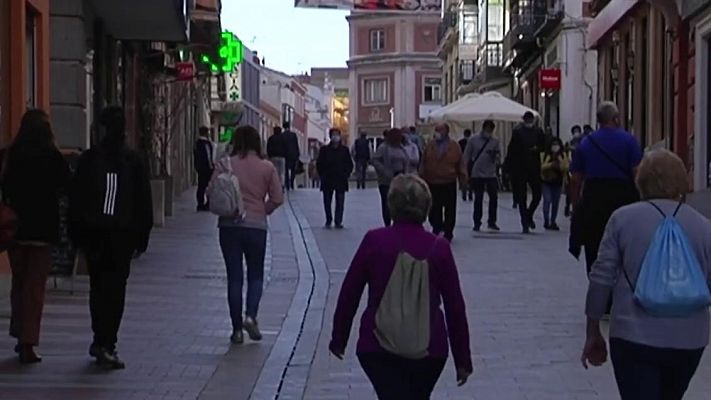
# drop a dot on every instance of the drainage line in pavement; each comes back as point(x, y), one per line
point(308, 304)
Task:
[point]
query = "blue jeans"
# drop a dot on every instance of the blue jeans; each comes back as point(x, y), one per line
point(551, 202)
point(248, 244)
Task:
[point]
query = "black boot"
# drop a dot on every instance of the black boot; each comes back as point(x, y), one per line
point(27, 354)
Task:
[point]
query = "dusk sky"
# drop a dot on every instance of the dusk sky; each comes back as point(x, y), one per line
point(292, 40)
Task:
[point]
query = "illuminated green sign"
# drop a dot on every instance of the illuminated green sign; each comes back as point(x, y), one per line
point(230, 54)
point(226, 135)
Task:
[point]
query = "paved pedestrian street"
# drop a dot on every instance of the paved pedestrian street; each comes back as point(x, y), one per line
point(524, 295)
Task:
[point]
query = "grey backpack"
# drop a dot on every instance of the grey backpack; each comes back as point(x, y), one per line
point(402, 321)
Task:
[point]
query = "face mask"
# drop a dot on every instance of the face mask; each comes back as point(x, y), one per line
point(336, 139)
point(555, 149)
point(528, 124)
point(438, 136)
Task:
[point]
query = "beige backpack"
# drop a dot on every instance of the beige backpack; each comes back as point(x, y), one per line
point(402, 321)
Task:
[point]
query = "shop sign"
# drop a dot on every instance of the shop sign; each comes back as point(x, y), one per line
point(186, 71)
point(549, 79)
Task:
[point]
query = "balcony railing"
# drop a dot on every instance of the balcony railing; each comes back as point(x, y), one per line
point(491, 54)
point(450, 20)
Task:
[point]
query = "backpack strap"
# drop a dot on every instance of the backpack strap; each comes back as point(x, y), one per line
point(676, 211)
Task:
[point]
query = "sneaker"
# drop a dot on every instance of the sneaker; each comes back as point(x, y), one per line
point(109, 360)
point(27, 355)
point(526, 230)
point(250, 325)
point(339, 226)
point(532, 224)
point(547, 226)
point(237, 337)
point(327, 225)
point(554, 227)
point(477, 227)
point(494, 227)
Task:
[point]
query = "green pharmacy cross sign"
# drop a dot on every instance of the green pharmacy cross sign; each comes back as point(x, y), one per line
point(230, 54)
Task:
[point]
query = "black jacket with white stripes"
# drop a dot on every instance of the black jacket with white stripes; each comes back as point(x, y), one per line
point(111, 192)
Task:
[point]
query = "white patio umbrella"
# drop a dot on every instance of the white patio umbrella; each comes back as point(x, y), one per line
point(480, 107)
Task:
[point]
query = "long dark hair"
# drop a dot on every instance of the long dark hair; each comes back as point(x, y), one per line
point(246, 139)
point(35, 134)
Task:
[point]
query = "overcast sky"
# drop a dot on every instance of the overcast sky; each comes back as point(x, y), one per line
point(292, 40)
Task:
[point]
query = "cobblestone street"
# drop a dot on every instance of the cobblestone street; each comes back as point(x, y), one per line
point(524, 295)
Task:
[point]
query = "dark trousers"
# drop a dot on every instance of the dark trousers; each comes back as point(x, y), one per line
point(396, 378)
point(491, 187)
point(328, 207)
point(203, 180)
point(467, 193)
point(521, 184)
point(290, 174)
point(551, 202)
point(361, 170)
point(652, 373)
point(109, 262)
point(239, 244)
point(384, 189)
point(443, 214)
point(30, 266)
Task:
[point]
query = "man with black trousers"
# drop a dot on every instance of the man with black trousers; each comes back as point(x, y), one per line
point(361, 154)
point(442, 168)
point(467, 188)
point(111, 216)
point(204, 162)
point(334, 166)
point(482, 155)
point(292, 155)
point(523, 162)
point(277, 152)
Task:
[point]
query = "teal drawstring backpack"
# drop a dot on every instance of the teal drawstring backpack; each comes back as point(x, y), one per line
point(671, 281)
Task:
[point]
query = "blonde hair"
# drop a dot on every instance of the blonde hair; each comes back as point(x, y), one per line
point(662, 175)
point(409, 199)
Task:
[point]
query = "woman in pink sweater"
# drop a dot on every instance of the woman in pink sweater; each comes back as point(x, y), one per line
point(246, 237)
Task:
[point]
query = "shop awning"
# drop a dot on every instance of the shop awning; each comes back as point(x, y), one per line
point(144, 20)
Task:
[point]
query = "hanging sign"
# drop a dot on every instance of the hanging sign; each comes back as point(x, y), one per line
point(186, 71)
point(549, 79)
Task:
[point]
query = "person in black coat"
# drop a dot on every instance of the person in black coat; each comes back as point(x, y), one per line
point(203, 159)
point(292, 155)
point(334, 166)
point(111, 216)
point(523, 163)
point(34, 175)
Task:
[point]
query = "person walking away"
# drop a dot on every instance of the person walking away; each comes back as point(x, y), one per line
point(523, 161)
point(413, 153)
point(410, 368)
point(34, 176)
point(361, 155)
point(482, 154)
point(467, 193)
point(111, 216)
point(654, 355)
point(442, 168)
point(554, 174)
point(415, 138)
point(389, 161)
point(277, 152)
point(604, 166)
point(203, 152)
point(334, 166)
point(313, 174)
point(576, 138)
point(244, 238)
point(292, 155)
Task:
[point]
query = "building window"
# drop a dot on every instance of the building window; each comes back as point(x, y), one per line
point(377, 40)
point(30, 60)
point(375, 91)
point(433, 90)
point(468, 28)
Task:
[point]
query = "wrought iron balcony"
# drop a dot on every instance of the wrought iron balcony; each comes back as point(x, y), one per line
point(527, 19)
point(467, 71)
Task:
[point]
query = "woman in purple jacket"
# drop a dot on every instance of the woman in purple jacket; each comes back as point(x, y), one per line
point(392, 376)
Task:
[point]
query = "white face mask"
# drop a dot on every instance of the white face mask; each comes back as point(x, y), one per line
point(555, 149)
point(336, 139)
point(528, 124)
